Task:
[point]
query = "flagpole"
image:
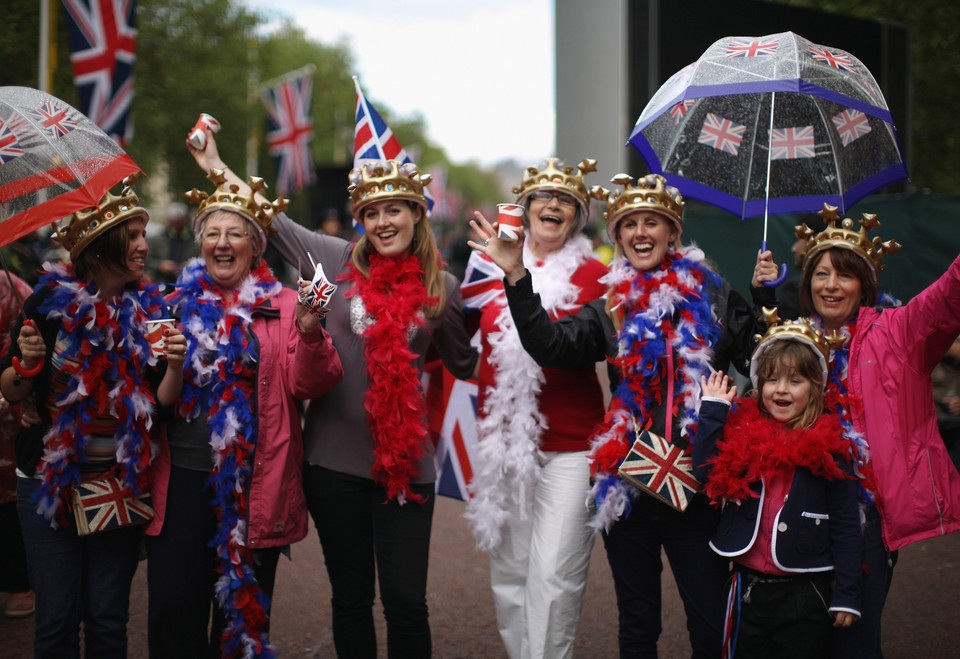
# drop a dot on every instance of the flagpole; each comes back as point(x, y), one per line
point(306, 70)
point(43, 84)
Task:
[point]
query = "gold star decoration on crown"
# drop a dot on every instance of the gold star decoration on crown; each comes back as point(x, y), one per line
point(840, 232)
point(227, 197)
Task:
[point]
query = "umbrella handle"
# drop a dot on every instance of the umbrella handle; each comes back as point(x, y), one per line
point(783, 269)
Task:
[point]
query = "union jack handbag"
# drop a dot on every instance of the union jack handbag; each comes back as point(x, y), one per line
point(102, 505)
point(660, 469)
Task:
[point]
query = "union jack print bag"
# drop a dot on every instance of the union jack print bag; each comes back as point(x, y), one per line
point(661, 469)
point(102, 505)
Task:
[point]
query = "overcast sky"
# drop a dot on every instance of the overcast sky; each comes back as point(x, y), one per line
point(481, 74)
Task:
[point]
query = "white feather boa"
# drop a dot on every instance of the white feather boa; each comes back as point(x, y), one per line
point(507, 461)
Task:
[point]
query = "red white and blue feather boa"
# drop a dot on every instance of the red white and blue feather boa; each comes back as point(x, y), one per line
point(668, 305)
point(106, 350)
point(512, 424)
point(219, 375)
point(394, 296)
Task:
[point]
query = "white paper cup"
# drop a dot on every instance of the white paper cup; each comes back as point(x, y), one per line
point(510, 219)
point(197, 138)
point(155, 334)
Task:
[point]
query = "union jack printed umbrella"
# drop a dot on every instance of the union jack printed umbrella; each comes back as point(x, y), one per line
point(708, 128)
point(53, 161)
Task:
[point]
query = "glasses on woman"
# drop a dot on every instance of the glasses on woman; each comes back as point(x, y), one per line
point(233, 237)
point(546, 195)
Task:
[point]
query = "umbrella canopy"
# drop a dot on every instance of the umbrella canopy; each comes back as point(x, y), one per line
point(53, 161)
point(708, 128)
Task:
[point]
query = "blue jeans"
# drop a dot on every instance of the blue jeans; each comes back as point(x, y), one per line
point(77, 579)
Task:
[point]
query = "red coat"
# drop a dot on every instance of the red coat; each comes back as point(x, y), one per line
point(891, 358)
point(291, 367)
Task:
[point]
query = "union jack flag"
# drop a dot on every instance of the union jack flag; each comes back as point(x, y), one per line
point(452, 419)
point(660, 469)
point(102, 505)
point(838, 60)
point(789, 143)
point(851, 124)
point(722, 134)
point(679, 110)
point(9, 146)
point(373, 140)
point(751, 48)
point(290, 130)
point(54, 118)
point(482, 282)
point(103, 44)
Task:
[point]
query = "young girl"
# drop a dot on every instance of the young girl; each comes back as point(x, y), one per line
point(790, 520)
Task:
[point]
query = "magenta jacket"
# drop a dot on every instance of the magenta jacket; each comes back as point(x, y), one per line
point(891, 358)
point(291, 367)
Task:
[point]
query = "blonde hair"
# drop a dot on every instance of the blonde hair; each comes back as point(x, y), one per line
point(425, 249)
point(792, 357)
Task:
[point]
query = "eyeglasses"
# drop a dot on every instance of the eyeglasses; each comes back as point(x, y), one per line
point(546, 195)
point(233, 237)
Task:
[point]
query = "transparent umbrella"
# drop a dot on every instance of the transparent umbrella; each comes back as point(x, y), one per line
point(771, 124)
point(53, 161)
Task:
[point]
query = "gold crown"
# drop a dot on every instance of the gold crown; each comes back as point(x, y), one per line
point(386, 179)
point(227, 197)
point(110, 211)
point(651, 193)
point(842, 234)
point(552, 174)
point(800, 330)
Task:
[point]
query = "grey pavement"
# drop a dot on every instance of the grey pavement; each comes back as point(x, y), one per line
point(921, 618)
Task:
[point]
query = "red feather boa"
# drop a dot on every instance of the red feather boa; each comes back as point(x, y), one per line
point(394, 296)
point(755, 447)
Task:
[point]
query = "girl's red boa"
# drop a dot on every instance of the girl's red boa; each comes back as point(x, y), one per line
point(394, 296)
point(756, 447)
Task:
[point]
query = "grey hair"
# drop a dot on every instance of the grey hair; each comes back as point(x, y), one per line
point(257, 239)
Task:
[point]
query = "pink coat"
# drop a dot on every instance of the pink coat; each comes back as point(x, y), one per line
point(291, 367)
point(891, 358)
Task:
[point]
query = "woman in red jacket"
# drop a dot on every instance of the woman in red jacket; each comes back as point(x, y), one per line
point(228, 491)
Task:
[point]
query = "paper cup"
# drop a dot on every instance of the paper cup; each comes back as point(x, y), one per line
point(155, 334)
point(197, 138)
point(510, 218)
point(317, 297)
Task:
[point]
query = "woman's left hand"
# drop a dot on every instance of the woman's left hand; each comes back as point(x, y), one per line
point(507, 254)
point(174, 347)
point(307, 320)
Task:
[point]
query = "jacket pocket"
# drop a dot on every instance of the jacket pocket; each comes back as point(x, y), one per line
point(814, 535)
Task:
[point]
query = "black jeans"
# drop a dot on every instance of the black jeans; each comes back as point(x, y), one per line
point(633, 551)
point(181, 573)
point(365, 538)
point(784, 617)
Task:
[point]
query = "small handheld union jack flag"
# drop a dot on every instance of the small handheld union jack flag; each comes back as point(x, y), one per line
point(317, 296)
point(660, 469)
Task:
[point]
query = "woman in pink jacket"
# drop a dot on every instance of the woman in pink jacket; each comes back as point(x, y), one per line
point(880, 384)
point(228, 491)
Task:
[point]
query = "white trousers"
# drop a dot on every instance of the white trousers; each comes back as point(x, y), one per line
point(539, 571)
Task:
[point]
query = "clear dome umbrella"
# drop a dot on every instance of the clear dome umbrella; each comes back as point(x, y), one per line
point(769, 125)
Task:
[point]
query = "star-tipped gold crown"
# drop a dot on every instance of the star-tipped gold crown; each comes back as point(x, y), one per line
point(799, 330)
point(386, 179)
point(110, 211)
point(227, 197)
point(650, 193)
point(552, 174)
point(841, 233)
